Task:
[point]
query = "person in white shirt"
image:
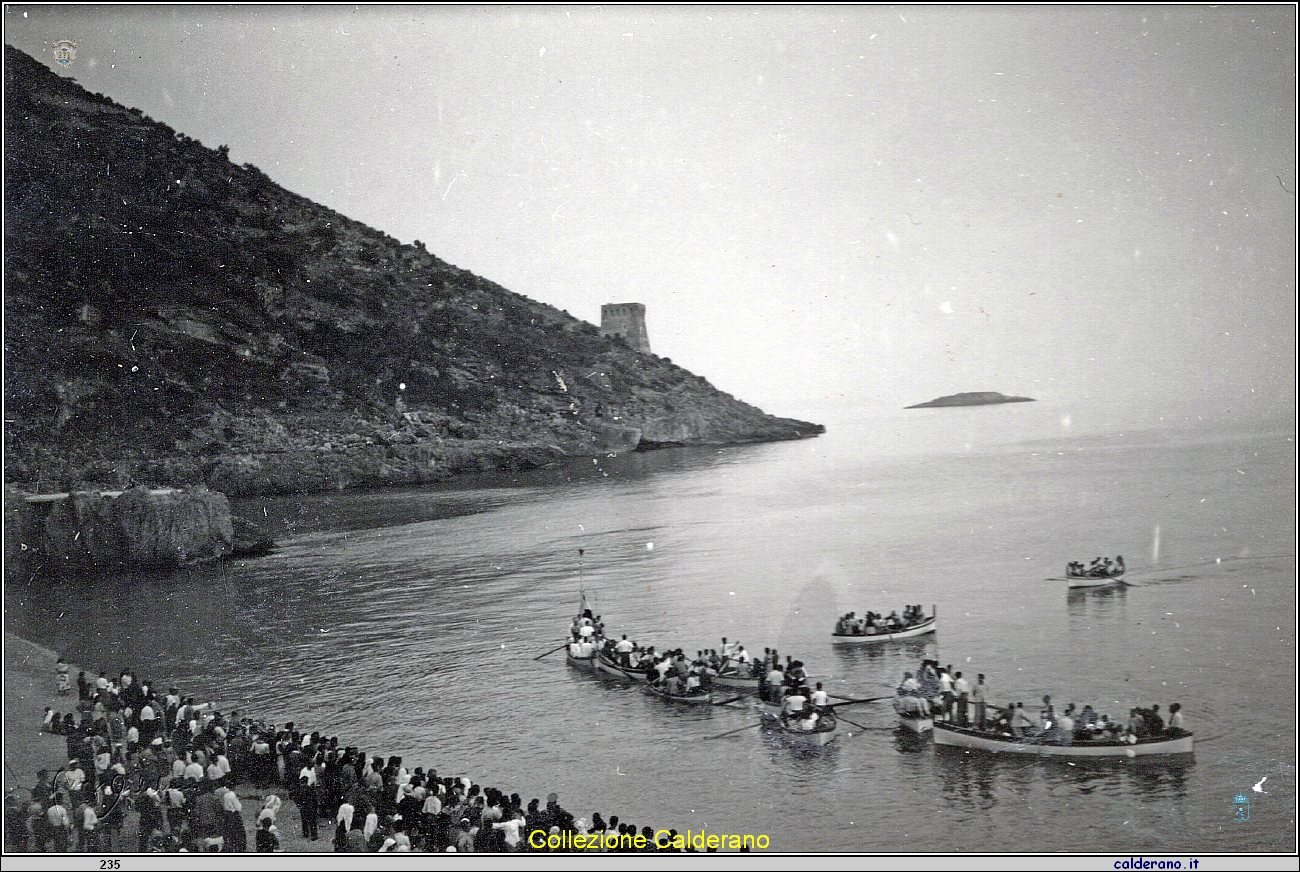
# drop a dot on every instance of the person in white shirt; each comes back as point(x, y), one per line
point(1065, 727)
point(819, 697)
point(1176, 727)
point(89, 829)
point(961, 689)
point(742, 655)
point(945, 687)
point(794, 703)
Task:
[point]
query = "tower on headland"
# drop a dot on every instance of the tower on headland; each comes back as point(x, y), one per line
point(626, 320)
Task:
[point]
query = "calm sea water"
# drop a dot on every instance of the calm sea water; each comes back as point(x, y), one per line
point(408, 621)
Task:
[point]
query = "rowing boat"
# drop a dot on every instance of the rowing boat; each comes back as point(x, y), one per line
point(1081, 581)
point(912, 715)
point(822, 734)
point(616, 670)
point(737, 681)
point(609, 667)
point(580, 662)
point(1078, 576)
point(1038, 746)
point(927, 625)
point(697, 698)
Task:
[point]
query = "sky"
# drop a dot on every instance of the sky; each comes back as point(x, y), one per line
point(825, 210)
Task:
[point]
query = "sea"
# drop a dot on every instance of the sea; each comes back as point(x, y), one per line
point(417, 622)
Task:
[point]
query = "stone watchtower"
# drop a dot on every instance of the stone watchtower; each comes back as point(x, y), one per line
point(626, 320)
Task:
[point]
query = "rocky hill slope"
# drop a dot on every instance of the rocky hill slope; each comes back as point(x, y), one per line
point(172, 318)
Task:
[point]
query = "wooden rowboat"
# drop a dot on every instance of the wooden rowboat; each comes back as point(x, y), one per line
point(827, 724)
point(926, 626)
point(1081, 581)
point(911, 716)
point(580, 662)
point(916, 724)
point(609, 667)
point(1036, 746)
point(616, 670)
point(705, 698)
point(737, 681)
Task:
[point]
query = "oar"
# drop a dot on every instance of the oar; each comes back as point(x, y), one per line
point(730, 732)
point(552, 651)
point(728, 701)
point(854, 723)
point(850, 701)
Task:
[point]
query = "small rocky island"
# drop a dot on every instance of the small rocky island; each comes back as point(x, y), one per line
point(971, 398)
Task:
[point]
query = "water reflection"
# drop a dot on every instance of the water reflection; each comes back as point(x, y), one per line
point(967, 780)
point(908, 741)
point(466, 495)
point(974, 779)
point(910, 651)
point(1099, 603)
point(1160, 778)
point(814, 760)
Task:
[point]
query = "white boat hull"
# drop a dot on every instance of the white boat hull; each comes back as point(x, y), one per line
point(920, 726)
point(1078, 581)
point(969, 739)
point(921, 629)
point(580, 662)
point(812, 738)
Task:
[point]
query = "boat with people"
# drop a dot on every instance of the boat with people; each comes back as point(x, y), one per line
point(1101, 572)
point(743, 677)
point(952, 735)
point(810, 728)
point(697, 696)
point(875, 629)
point(588, 663)
point(585, 634)
point(914, 714)
point(607, 665)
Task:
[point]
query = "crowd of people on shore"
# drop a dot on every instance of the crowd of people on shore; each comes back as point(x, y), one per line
point(170, 766)
point(875, 624)
point(945, 695)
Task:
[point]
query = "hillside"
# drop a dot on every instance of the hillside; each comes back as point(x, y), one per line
point(172, 318)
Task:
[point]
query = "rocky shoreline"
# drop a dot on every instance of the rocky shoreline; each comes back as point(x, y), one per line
point(136, 529)
point(244, 338)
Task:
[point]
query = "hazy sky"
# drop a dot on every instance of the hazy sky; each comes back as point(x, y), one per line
point(822, 208)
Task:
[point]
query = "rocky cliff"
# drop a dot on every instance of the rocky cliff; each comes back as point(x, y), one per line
point(173, 318)
point(138, 528)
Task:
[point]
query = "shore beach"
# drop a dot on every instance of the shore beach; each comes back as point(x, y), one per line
point(30, 686)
